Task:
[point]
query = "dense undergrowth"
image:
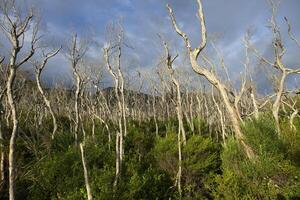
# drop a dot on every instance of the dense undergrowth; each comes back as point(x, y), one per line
point(211, 170)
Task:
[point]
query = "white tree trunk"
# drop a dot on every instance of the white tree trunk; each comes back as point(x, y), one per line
point(77, 93)
point(294, 114)
point(86, 177)
point(2, 156)
point(13, 137)
point(277, 103)
point(210, 76)
point(47, 103)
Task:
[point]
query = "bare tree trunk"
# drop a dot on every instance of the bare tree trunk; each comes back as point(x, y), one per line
point(122, 107)
point(122, 96)
point(237, 99)
point(82, 128)
point(76, 53)
point(154, 114)
point(119, 135)
point(38, 82)
point(235, 123)
point(179, 173)
point(2, 160)
point(210, 76)
point(187, 113)
point(2, 149)
point(181, 131)
point(191, 113)
point(2, 157)
point(7, 112)
point(276, 104)
point(207, 114)
point(86, 177)
point(93, 127)
point(13, 137)
point(221, 118)
point(118, 161)
point(256, 111)
point(294, 114)
point(77, 92)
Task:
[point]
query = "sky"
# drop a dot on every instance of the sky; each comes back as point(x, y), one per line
point(227, 20)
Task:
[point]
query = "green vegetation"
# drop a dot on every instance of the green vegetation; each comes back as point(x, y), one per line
point(211, 170)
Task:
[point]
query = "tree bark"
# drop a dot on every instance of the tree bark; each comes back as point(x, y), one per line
point(85, 170)
point(41, 90)
point(13, 137)
point(2, 150)
point(210, 76)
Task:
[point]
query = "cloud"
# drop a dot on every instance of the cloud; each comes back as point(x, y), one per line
point(144, 19)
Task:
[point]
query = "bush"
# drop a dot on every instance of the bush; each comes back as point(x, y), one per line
point(200, 163)
point(271, 176)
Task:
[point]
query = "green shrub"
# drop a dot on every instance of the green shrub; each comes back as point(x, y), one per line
point(270, 176)
point(200, 163)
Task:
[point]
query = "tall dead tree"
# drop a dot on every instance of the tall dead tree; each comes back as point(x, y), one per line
point(282, 70)
point(2, 149)
point(221, 116)
point(164, 104)
point(188, 113)
point(16, 27)
point(295, 111)
point(121, 81)
point(76, 52)
point(113, 49)
point(154, 102)
point(120, 133)
point(85, 171)
point(210, 76)
point(38, 71)
point(181, 132)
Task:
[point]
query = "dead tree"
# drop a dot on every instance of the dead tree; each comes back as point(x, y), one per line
point(15, 28)
point(120, 133)
point(121, 81)
point(2, 137)
point(294, 110)
point(2, 149)
point(154, 102)
point(38, 71)
point(189, 101)
point(277, 64)
point(210, 76)
point(221, 116)
point(165, 89)
point(85, 170)
point(181, 132)
point(76, 53)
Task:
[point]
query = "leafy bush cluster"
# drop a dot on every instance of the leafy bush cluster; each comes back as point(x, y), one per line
point(275, 172)
point(210, 169)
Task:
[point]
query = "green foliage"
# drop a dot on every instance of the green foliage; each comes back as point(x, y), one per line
point(144, 179)
point(200, 162)
point(57, 175)
point(165, 153)
point(150, 184)
point(200, 126)
point(270, 176)
point(291, 138)
point(53, 169)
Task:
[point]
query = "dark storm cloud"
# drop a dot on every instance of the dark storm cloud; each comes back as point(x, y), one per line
point(228, 19)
